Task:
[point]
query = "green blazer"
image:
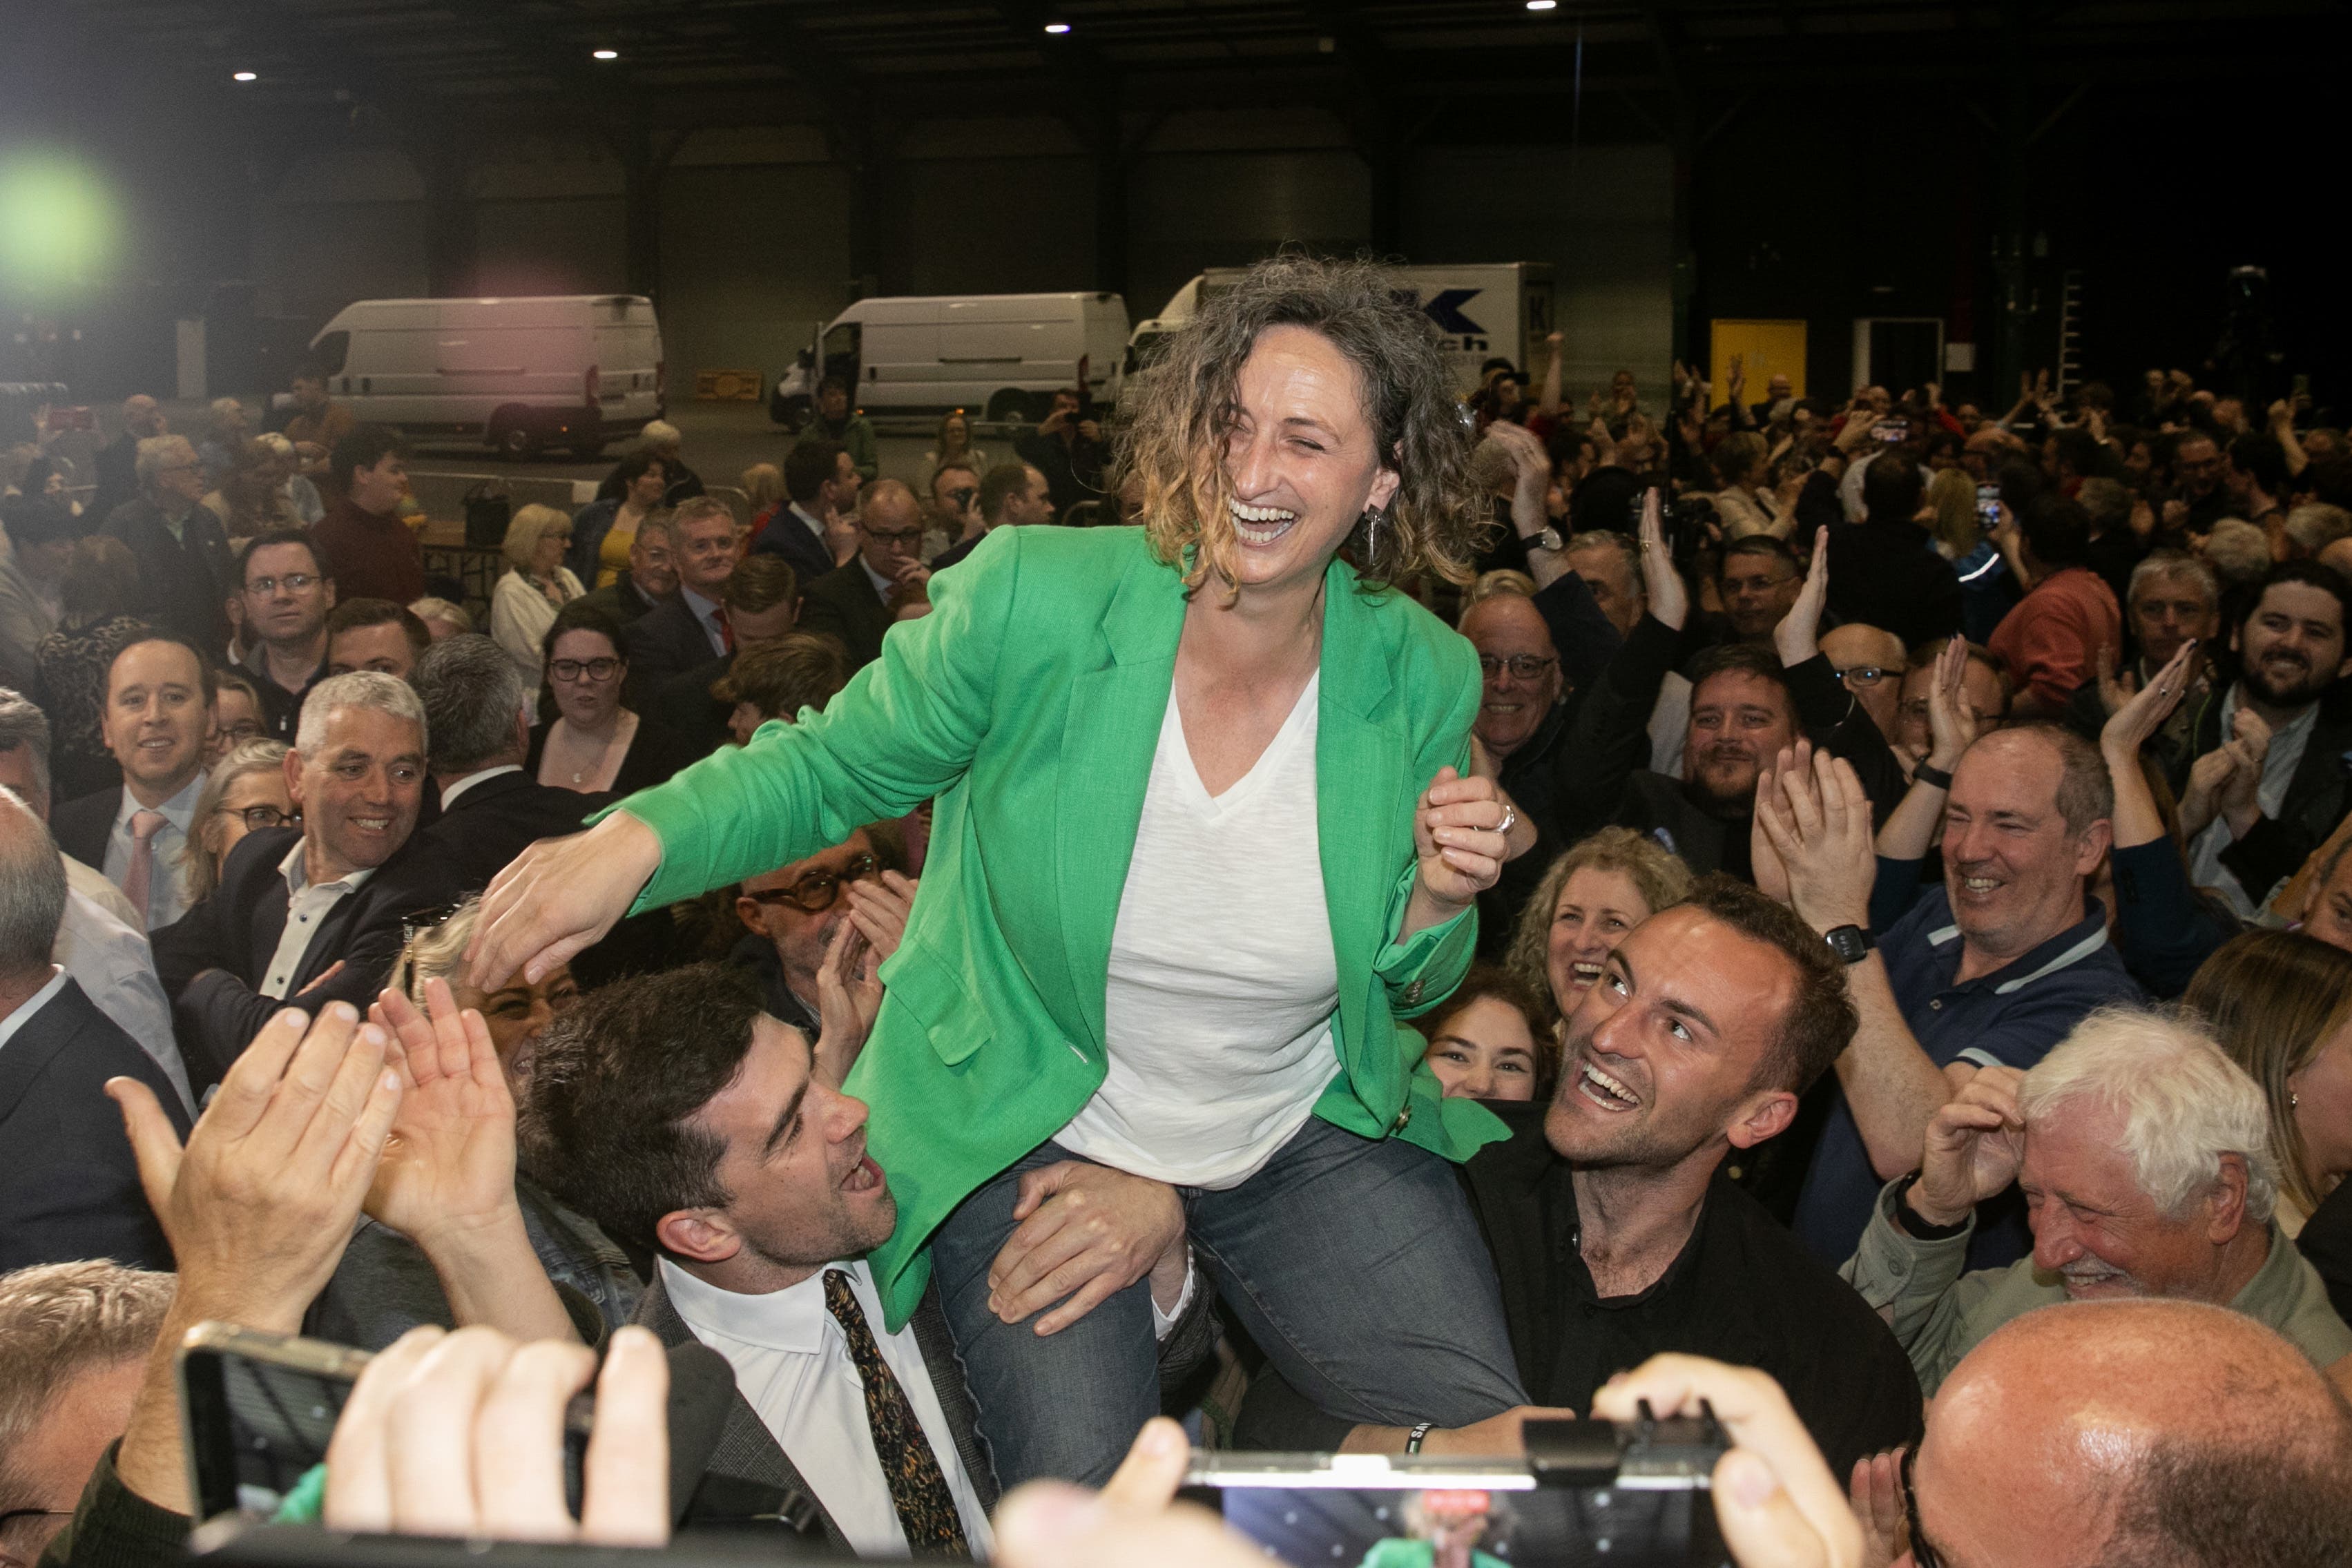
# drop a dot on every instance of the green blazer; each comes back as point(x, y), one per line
point(1029, 702)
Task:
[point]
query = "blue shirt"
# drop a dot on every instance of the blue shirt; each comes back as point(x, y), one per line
point(2009, 1017)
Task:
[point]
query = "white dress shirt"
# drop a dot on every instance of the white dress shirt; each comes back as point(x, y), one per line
point(792, 1365)
point(47, 994)
point(306, 906)
point(114, 965)
point(167, 891)
point(2279, 766)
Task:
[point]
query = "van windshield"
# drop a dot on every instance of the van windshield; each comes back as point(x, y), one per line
point(331, 353)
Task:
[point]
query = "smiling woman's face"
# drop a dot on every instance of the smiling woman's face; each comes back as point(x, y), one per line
point(1595, 911)
point(1300, 458)
point(1485, 1050)
point(518, 1014)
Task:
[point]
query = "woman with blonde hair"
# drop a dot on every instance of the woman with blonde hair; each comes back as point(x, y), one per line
point(2281, 1004)
point(1203, 846)
point(536, 586)
point(1598, 890)
point(1743, 493)
point(245, 792)
point(954, 445)
point(1953, 526)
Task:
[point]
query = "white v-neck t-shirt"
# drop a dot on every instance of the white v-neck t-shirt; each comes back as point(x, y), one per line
point(1222, 977)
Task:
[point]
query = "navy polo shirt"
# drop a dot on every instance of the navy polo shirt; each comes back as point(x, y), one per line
point(2009, 1017)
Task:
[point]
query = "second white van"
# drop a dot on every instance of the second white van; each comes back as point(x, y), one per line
point(996, 356)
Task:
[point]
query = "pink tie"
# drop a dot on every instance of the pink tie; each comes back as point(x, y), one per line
point(144, 826)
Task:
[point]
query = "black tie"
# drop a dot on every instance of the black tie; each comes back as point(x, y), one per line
point(926, 1510)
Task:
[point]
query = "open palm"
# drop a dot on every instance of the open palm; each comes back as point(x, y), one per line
point(450, 1161)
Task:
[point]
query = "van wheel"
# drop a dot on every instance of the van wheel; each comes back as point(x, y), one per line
point(516, 439)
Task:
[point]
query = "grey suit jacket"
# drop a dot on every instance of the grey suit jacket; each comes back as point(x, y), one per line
point(749, 1477)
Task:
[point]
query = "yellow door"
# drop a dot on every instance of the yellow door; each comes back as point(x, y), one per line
point(1766, 349)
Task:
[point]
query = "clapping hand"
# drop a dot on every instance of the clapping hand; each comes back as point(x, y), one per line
point(2240, 802)
point(1951, 716)
point(2133, 717)
point(1797, 637)
point(1975, 1145)
point(450, 1165)
point(1669, 599)
point(1817, 819)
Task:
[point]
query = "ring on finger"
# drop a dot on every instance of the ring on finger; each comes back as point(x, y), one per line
point(1510, 818)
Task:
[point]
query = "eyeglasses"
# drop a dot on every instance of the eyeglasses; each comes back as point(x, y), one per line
point(260, 817)
point(1867, 675)
point(292, 582)
point(1922, 1554)
point(1523, 667)
point(896, 537)
point(597, 670)
point(816, 893)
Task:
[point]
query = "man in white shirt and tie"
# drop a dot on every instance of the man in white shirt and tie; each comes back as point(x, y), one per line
point(158, 708)
point(678, 1116)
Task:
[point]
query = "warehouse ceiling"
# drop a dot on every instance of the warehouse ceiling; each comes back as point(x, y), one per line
point(706, 61)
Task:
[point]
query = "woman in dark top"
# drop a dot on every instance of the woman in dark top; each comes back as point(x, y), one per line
point(100, 584)
point(592, 743)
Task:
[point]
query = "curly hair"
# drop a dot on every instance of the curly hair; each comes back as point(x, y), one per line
point(1174, 451)
point(1656, 873)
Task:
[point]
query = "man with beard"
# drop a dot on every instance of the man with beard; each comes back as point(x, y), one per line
point(1991, 968)
point(2291, 655)
point(1615, 1233)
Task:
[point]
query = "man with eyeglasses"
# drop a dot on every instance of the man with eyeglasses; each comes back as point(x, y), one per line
point(286, 597)
point(690, 629)
point(792, 913)
point(885, 582)
point(185, 568)
point(1520, 725)
point(1870, 665)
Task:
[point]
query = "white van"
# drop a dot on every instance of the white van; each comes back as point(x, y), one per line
point(996, 356)
point(1483, 311)
point(572, 371)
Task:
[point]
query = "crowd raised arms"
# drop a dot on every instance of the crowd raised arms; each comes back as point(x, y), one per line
point(1453, 910)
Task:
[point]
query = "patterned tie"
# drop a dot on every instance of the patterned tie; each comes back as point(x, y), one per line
point(919, 1490)
point(144, 826)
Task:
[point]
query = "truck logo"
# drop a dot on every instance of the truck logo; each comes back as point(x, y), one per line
point(1444, 308)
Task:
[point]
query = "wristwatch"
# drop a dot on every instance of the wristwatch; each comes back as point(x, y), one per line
point(1547, 539)
point(1850, 943)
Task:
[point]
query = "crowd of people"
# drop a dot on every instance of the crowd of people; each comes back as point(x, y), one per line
point(1838, 911)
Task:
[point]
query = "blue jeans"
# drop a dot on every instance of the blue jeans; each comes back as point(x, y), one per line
point(1354, 1262)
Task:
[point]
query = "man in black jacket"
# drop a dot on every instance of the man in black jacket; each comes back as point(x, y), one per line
point(186, 571)
point(857, 601)
point(317, 914)
point(690, 628)
point(1614, 1234)
point(1887, 573)
point(72, 1188)
point(647, 581)
point(478, 716)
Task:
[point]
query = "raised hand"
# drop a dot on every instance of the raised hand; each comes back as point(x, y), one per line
point(1951, 716)
point(2201, 801)
point(1458, 843)
point(1975, 1146)
point(1797, 638)
point(1817, 821)
point(2240, 798)
point(1772, 877)
point(450, 1165)
point(559, 896)
point(848, 997)
point(1086, 1233)
point(1669, 599)
point(2133, 717)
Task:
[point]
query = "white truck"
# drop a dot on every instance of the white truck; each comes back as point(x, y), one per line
point(997, 357)
point(521, 373)
point(1483, 311)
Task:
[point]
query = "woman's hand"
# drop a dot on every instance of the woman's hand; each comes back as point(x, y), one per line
point(559, 896)
point(1458, 844)
point(1669, 598)
point(1086, 1233)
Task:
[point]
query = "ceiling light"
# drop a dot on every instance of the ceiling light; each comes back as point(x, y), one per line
point(1057, 28)
point(245, 75)
point(1543, 5)
point(604, 55)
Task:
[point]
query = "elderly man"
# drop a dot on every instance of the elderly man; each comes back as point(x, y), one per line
point(314, 914)
point(1991, 968)
point(858, 600)
point(1614, 1228)
point(690, 629)
point(2173, 598)
point(185, 569)
point(649, 578)
point(2144, 1156)
point(1870, 665)
point(790, 914)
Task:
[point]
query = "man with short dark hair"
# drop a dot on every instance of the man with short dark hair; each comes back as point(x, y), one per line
point(2051, 641)
point(116, 463)
point(1615, 1231)
point(858, 600)
point(954, 500)
point(1758, 581)
point(374, 634)
point(159, 705)
point(320, 424)
point(836, 421)
point(2256, 478)
point(691, 629)
point(762, 602)
point(1887, 573)
point(1067, 448)
point(1991, 968)
point(1012, 495)
point(687, 1123)
point(1610, 563)
point(286, 598)
point(313, 914)
point(649, 578)
point(2202, 501)
point(73, 1189)
point(363, 543)
point(2266, 820)
point(185, 567)
point(820, 483)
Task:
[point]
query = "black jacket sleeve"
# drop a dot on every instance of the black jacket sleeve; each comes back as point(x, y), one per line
point(2271, 852)
point(2326, 1245)
point(114, 1527)
point(1832, 719)
point(1583, 637)
point(2163, 929)
point(1610, 738)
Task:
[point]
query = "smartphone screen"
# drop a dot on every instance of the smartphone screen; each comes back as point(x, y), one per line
point(1988, 504)
point(1893, 430)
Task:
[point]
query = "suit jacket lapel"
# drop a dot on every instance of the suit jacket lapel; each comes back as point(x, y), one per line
point(1107, 742)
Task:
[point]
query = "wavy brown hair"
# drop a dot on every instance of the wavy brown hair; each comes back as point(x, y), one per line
point(2274, 1000)
point(1174, 451)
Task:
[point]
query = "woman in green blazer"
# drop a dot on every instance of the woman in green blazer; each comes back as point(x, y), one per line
point(1199, 843)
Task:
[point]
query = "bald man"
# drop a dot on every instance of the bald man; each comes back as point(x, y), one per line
point(885, 582)
point(2136, 1431)
point(1870, 664)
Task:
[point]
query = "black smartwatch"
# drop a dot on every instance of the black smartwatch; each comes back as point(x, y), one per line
point(1850, 943)
point(1916, 1227)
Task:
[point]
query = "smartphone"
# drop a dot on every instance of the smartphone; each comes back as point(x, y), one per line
point(258, 1410)
point(1988, 504)
point(1893, 430)
point(1588, 1492)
